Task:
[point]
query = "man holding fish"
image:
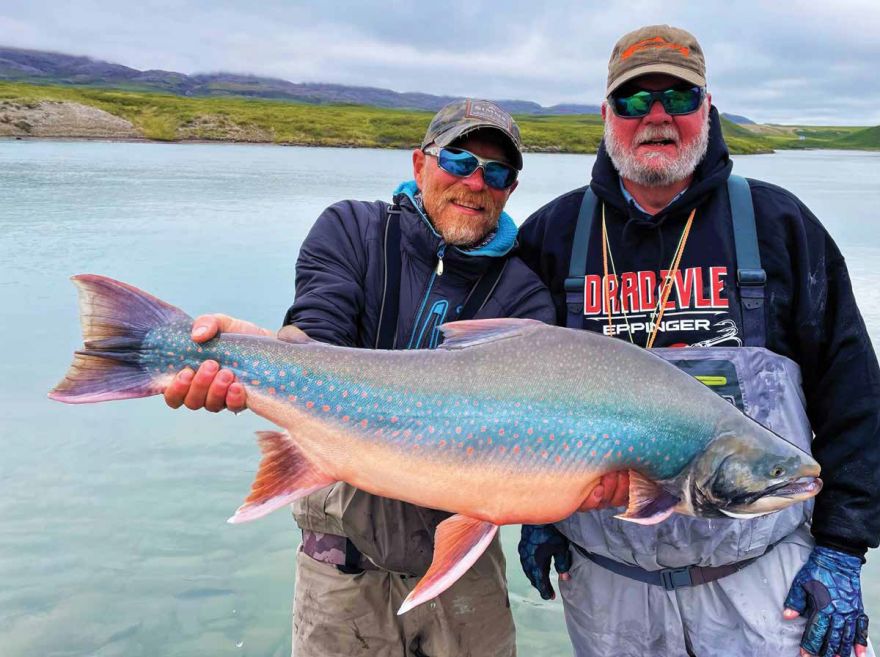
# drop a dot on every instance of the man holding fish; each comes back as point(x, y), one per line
point(363, 554)
point(661, 250)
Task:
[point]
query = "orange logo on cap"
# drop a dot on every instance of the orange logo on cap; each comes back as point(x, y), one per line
point(655, 42)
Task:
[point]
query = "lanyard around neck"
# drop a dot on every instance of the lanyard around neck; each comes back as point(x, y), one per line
point(660, 307)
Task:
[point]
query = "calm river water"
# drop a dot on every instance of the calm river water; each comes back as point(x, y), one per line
point(114, 541)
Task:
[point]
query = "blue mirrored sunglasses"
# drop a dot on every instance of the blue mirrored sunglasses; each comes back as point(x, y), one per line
point(462, 163)
point(676, 101)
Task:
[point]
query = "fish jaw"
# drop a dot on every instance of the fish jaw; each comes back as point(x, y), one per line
point(750, 471)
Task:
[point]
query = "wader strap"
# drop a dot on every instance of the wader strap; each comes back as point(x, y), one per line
point(387, 332)
point(577, 265)
point(750, 277)
point(669, 578)
point(480, 293)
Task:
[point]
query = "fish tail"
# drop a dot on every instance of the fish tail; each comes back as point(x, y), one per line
point(115, 319)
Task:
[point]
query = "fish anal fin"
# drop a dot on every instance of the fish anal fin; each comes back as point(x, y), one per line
point(649, 503)
point(285, 475)
point(470, 332)
point(458, 543)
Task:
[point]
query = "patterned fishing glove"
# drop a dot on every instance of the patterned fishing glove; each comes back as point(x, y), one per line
point(828, 593)
point(537, 546)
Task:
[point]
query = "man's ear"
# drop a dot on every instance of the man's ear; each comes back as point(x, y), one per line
point(708, 100)
point(418, 158)
point(604, 109)
point(512, 187)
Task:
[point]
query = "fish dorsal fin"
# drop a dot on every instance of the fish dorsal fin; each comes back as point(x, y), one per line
point(294, 335)
point(285, 475)
point(649, 503)
point(470, 332)
point(458, 543)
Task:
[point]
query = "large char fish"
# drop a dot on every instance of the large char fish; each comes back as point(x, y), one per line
point(509, 421)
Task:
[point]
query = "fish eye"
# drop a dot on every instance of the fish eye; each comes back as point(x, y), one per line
point(778, 471)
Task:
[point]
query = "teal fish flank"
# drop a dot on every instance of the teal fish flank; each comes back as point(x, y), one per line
point(501, 410)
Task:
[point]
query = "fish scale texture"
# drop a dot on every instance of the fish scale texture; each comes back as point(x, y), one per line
point(459, 405)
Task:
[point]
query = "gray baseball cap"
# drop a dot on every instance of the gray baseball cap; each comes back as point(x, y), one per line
point(656, 49)
point(461, 117)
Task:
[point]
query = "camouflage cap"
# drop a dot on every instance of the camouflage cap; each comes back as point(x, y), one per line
point(656, 49)
point(461, 117)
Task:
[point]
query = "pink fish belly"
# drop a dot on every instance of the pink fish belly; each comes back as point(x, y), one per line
point(501, 491)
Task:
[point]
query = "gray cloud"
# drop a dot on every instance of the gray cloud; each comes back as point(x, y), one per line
point(797, 63)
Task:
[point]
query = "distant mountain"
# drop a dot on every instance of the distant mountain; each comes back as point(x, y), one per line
point(736, 118)
point(56, 68)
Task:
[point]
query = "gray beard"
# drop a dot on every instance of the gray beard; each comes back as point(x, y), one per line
point(672, 171)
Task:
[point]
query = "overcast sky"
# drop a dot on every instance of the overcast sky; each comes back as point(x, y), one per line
point(793, 62)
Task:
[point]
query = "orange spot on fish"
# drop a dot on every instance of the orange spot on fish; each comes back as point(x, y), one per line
point(364, 424)
point(442, 443)
point(501, 432)
point(345, 418)
point(292, 397)
point(281, 373)
point(345, 393)
point(470, 451)
point(415, 447)
point(606, 454)
point(325, 408)
point(418, 404)
point(515, 449)
point(431, 428)
point(580, 443)
point(254, 382)
point(544, 453)
point(558, 459)
point(235, 363)
point(501, 449)
point(540, 440)
point(489, 440)
point(310, 404)
point(393, 419)
point(630, 448)
point(457, 429)
point(552, 436)
point(565, 446)
point(529, 431)
point(271, 391)
point(592, 452)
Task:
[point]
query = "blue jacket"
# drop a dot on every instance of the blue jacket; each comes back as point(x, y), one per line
point(810, 312)
point(340, 274)
point(339, 287)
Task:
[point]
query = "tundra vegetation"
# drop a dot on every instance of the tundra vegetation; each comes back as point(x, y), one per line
point(167, 117)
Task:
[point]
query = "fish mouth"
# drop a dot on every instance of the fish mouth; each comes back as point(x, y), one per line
point(775, 498)
point(802, 488)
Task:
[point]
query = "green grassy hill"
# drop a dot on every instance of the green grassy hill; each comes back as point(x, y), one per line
point(866, 139)
point(170, 117)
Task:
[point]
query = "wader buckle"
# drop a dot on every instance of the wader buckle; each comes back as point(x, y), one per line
point(675, 578)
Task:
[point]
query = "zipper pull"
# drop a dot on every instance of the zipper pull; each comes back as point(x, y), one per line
point(440, 252)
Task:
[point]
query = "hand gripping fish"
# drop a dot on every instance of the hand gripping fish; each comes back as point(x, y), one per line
point(508, 421)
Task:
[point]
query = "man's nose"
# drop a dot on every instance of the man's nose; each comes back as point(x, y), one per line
point(657, 113)
point(475, 182)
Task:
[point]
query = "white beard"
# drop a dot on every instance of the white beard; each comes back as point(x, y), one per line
point(659, 170)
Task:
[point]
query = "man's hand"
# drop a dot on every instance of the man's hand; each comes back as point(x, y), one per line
point(828, 592)
point(541, 544)
point(210, 387)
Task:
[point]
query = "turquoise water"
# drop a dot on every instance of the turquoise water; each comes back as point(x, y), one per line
point(114, 539)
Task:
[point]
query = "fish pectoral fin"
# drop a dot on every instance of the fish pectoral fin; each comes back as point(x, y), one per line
point(458, 543)
point(470, 332)
point(649, 503)
point(285, 475)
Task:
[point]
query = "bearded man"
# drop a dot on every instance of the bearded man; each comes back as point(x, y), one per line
point(375, 275)
point(667, 249)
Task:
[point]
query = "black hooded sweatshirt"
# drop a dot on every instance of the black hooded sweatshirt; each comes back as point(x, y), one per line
point(810, 312)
